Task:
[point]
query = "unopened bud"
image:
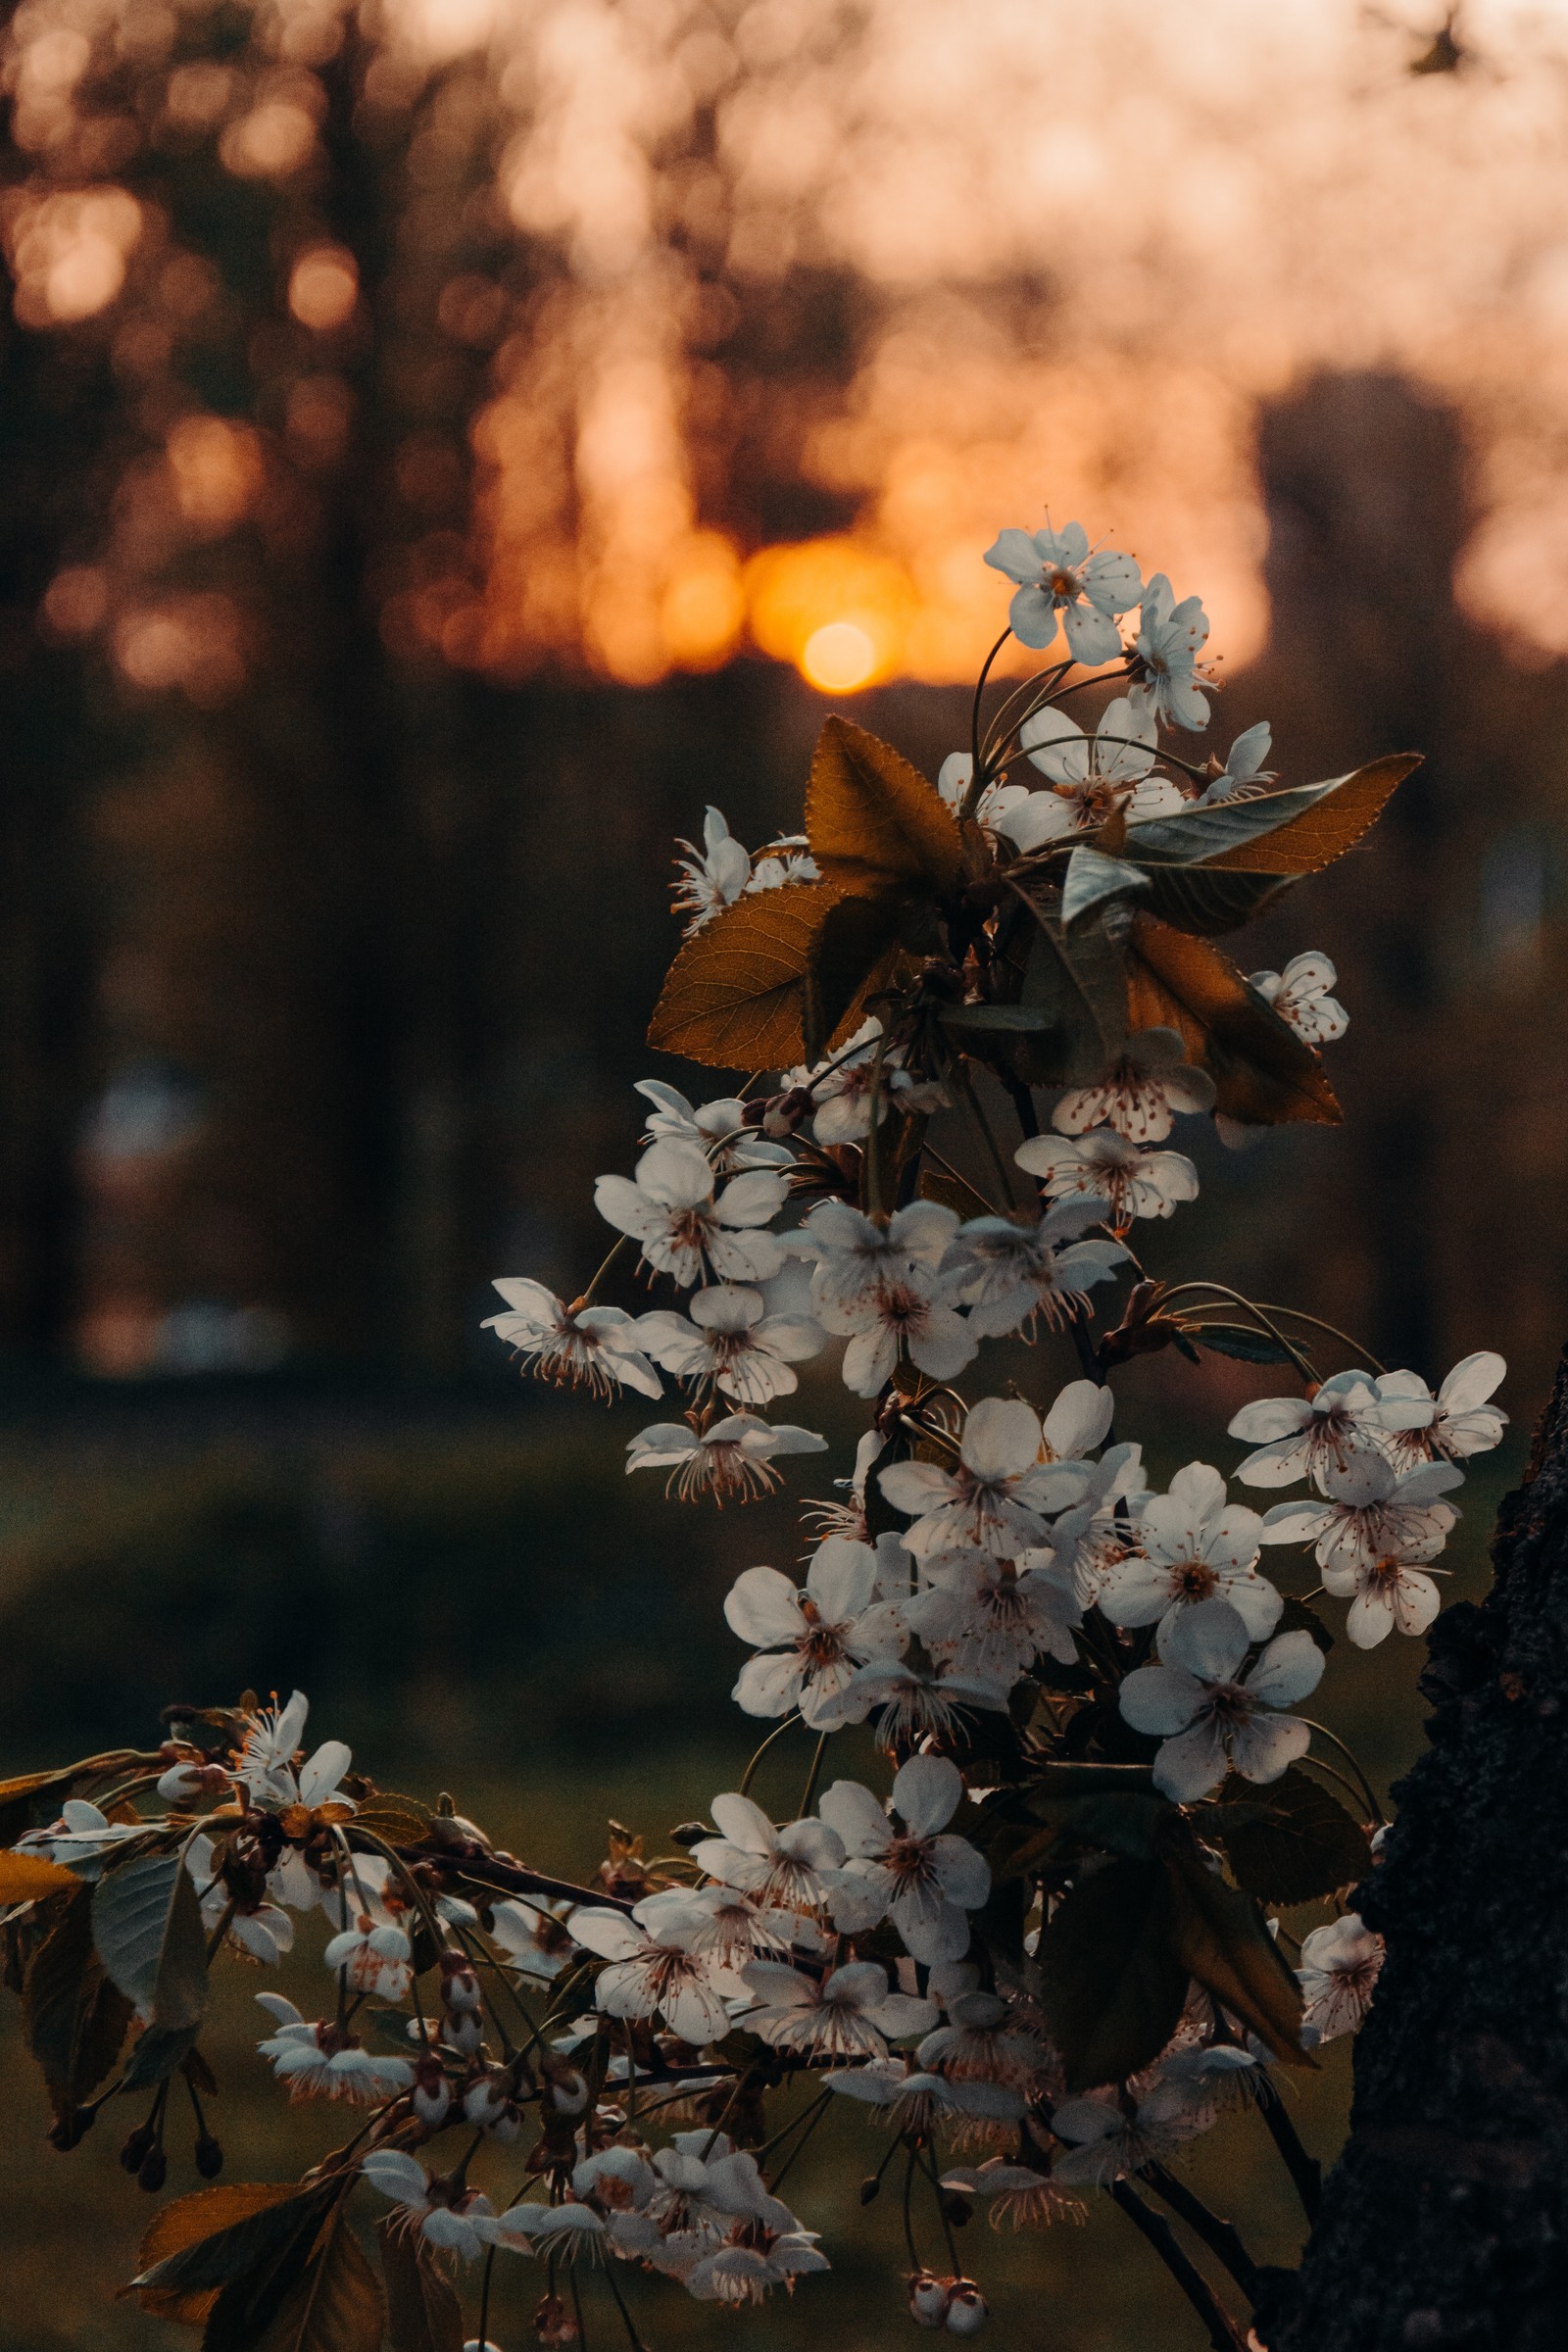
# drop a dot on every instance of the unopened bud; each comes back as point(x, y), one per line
point(871, 2190)
point(138, 2146)
point(786, 1113)
point(460, 1986)
point(209, 2157)
point(463, 2031)
point(967, 2308)
point(956, 2208)
point(690, 1833)
point(153, 2172)
point(431, 2095)
point(183, 1783)
point(485, 2099)
point(928, 2300)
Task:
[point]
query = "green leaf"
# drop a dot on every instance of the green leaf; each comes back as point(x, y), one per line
point(423, 2314)
point(1249, 1347)
point(75, 2019)
point(157, 2054)
point(1291, 1841)
point(1091, 878)
point(1216, 1933)
point(130, 1908)
point(337, 2306)
point(1112, 1986)
point(1196, 835)
point(1210, 900)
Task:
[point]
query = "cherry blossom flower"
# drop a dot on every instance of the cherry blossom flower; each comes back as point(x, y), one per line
point(1212, 1717)
point(671, 1210)
point(734, 1457)
point(719, 1129)
point(916, 1705)
point(901, 1318)
point(327, 2061)
point(994, 1498)
point(848, 2013)
point(1193, 1543)
point(1138, 1096)
point(1385, 1593)
point(654, 1969)
point(1107, 2144)
point(1370, 1512)
point(910, 2099)
point(448, 2216)
point(922, 1876)
point(1010, 1275)
point(705, 2189)
point(980, 1615)
point(373, 1959)
point(711, 877)
point(856, 1255)
point(80, 1833)
point(1169, 644)
point(791, 1867)
point(594, 1347)
point(811, 1642)
point(1459, 1421)
point(745, 2272)
point(1092, 778)
point(979, 2044)
point(533, 1936)
point(842, 1088)
point(1017, 2193)
point(570, 2232)
point(954, 778)
point(1093, 1537)
point(266, 1761)
point(1304, 1436)
point(1300, 994)
point(731, 1341)
point(1340, 1967)
point(1135, 1183)
point(1056, 574)
point(784, 860)
point(1244, 776)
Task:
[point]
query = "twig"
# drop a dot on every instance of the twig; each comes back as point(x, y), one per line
point(1223, 2332)
point(1221, 2237)
point(1307, 2173)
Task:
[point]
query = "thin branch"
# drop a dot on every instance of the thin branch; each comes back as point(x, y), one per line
point(1221, 2237)
point(977, 773)
point(1223, 2333)
point(1307, 2173)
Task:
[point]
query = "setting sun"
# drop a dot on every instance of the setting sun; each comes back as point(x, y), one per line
point(838, 658)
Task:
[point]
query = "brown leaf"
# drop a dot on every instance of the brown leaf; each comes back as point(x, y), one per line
point(395, 1819)
point(75, 2019)
point(1217, 1935)
point(735, 997)
point(185, 2222)
point(423, 2314)
point(1326, 830)
point(25, 1876)
point(337, 2305)
point(1264, 1073)
point(871, 818)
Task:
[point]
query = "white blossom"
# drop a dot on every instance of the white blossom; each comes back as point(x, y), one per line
point(856, 1255)
point(1370, 1512)
point(848, 2013)
point(918, 1705)
point(594, 1347)
point(732, 1457)
point(1459, 1421)
point(1092, 778)
point(730, 1340)
point(920, 1875)
point(325, 2061)
point(1339, 1973)
point(1135, 1183)
point(719, 1129)
point(1304, 1436)
point(272, 1738)
point(1301, 995)
point(1107, 2144)
point(790, 1868)
point(1150, 1081)
point(995, 1496)
point(671, 1210)
point(1010, 1275)
point(711, 877)
point(1193, 1544)
point(842, 1087)
point(811, 1642)
point(1209, 1714)
point(1169, 644)
point(1056, 574)
point(1244, 775)
point(1017, 2192)
point(449, 2220)
point(980, 1615)
point(653, 1969)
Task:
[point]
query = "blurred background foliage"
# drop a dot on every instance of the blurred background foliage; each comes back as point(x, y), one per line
point(449, 442)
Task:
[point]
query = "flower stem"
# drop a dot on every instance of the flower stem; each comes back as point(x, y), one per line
point(1223, 2333)
point(1307, 2173)
point(1221, 2237)
point(750, 1773)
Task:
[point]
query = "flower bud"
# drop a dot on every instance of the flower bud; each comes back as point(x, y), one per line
point(871, 2190)
point(209, 2157)
point(463, 2031)
point(928, 2300)
point(431, 2095)
point(968, 2309)
point(138, 2146)
point(484, 2101)
point(460, 1986)
point(153, 2172)
point(784, 1114)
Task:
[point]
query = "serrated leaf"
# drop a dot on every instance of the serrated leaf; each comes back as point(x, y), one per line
point(850, 953)
point(147, 1926)
point(395, 1819)
point(25, 1877)
point(1113, 1987)
point(202, 2243)
point(1216, 1933)
point(1291, 1841)
point(1264, 1073)
point(1211, 902)
point(75, 2019)
point(1091, 878)
point(21, 1797)
point(337, 2306)
point(735, 996)
point(423, 2314)
point(1343, 809)
point(1238, 1339)
point(871, 818)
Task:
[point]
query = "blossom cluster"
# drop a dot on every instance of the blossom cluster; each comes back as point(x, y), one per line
point(1055, 1679)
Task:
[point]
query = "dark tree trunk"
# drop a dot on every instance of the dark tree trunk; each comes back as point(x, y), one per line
point(1446, 2221)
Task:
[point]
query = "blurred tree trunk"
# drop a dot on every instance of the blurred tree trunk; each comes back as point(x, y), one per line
point(1446, 2221)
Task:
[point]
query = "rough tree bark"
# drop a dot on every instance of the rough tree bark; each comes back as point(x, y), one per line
point(1446, 2221)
